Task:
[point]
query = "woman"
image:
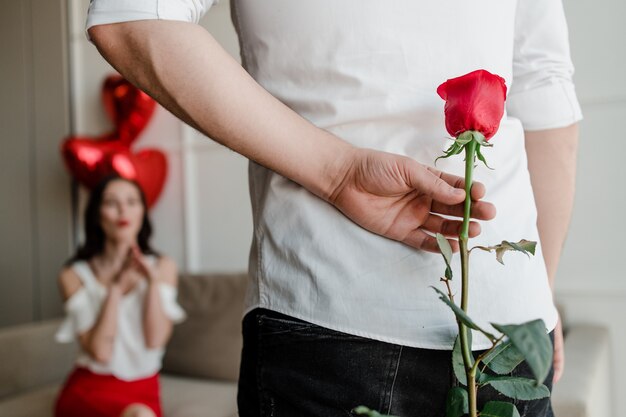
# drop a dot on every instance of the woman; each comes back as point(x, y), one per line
point(120, 300)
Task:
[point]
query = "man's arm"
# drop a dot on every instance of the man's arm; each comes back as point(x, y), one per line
point(552, 166)
point(189, 73)
point(186, 70)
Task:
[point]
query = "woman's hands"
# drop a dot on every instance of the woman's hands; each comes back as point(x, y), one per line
point(139, 263)
point(397, 197)
point(133, 270)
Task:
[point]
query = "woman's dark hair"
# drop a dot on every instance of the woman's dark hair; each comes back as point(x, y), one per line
point(94, 235)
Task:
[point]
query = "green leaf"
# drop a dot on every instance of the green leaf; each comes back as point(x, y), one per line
point(525, 246)
point(481, 157)
point(445, 248)
point(516, 387)
point(461, 315)
point(457, 360)
point(446, 251)
point(364, 411)
point(533, 342)
point(457, 403)
point(454, 149)
point(499, 409)
point(504, 358)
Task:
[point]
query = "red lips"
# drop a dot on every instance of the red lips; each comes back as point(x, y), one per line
point(123, 223)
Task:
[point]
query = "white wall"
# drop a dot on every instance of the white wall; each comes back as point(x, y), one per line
point(591, 283)
point(203, 218)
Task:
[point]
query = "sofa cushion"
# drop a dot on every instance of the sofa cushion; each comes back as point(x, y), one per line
point(37, 403)
point(208, 344)
point(31, 358)
point(189, 397)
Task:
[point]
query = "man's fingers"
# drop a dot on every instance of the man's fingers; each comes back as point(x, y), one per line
point(419, 239)
point(559, 353)
point(558, 372)
point(443, 187)
point(447, 227)
point(430, 183)
point(481, 210)
point(478, 188)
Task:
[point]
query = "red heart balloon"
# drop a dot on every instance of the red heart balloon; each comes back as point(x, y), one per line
point(87, 159)
point(148, 167)
point(129, 108)
point(90, 160)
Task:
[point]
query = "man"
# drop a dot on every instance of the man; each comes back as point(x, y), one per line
point(337, 111)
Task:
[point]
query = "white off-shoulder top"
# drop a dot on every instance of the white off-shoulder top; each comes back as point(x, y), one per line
point(131, 359)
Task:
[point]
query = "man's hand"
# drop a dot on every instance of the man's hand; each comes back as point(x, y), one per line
point(397, 197)
point(559, 353)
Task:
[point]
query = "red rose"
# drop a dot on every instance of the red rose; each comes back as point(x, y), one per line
point(474, 101)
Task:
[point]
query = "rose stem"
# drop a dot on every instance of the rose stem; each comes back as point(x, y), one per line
point(470, 150)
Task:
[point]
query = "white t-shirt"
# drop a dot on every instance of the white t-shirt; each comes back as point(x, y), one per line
point(367, 71)
point(130, 359)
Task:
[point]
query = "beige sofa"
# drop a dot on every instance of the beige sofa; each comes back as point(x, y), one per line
point(202, 360)
point(200, 367)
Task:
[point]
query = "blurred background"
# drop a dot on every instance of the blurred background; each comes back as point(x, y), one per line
point(50, 86)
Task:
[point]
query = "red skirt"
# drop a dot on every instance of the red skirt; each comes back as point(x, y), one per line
point(93, 395)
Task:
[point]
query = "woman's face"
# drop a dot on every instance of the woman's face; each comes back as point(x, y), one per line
point(121, 211)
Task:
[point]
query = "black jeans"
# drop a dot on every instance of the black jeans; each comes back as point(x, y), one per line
point(292, 368)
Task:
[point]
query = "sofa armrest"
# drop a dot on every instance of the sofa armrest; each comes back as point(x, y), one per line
point(585, 388)
point(32, 358)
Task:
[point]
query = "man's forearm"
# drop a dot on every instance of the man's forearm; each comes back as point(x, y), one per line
point(552, 166)
point(187, 71)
